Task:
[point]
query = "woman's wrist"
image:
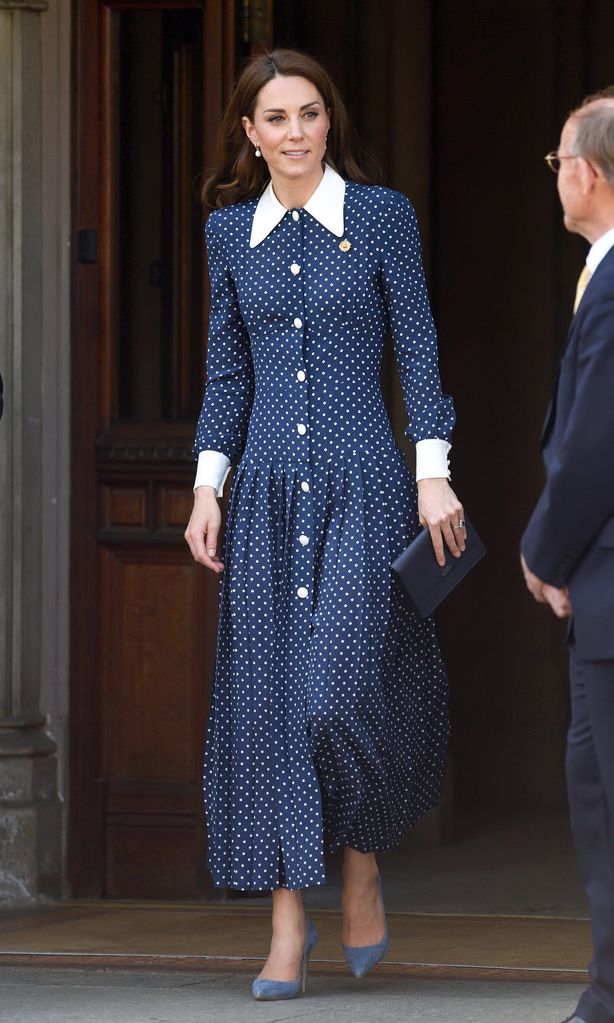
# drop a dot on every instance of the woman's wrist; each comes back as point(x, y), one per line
point(426, 480)
point(205, 491)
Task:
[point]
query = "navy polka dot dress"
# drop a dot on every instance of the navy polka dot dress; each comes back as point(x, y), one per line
point(329, 718)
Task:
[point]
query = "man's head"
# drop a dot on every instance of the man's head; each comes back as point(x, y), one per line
point(586, 175)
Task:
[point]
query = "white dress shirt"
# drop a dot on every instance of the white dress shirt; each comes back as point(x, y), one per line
point(599, 249)
point(326, 206)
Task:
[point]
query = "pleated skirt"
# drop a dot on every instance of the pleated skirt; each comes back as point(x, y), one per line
point(329, 717)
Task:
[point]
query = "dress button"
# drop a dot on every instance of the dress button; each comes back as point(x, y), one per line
point(301, 428)
point(295, 214)
point(300, 375)
point(303, 539)
point(303, 592)
point(295, 268)
point(305, 486)
point(298, 323)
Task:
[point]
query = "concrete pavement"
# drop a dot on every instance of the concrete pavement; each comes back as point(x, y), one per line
point(105, 996)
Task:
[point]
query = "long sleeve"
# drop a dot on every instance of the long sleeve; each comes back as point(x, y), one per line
point(430, 412)
point(224, 416)
point(580, 476)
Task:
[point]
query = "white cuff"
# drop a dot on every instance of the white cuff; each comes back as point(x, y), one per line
point(212, 469)
point(432, 459)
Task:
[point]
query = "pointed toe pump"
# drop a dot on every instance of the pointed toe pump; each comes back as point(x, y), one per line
point(277, 990)
point(362, 958)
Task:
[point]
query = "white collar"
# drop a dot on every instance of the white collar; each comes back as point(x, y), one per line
point(599, 249)
point(326, 205)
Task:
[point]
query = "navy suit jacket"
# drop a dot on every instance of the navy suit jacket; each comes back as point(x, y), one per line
point(570, 537)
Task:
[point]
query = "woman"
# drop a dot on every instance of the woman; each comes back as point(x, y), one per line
point(329, 717)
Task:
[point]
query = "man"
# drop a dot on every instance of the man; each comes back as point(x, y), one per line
point(568, 546)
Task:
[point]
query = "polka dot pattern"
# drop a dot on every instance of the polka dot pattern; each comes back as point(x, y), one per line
point(329, 718)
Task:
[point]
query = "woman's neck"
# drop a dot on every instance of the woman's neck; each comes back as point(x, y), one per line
point(291, 192)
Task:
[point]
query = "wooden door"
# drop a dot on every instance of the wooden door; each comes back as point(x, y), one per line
point(150, 82)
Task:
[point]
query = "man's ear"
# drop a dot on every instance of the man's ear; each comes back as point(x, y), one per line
point(588, 174)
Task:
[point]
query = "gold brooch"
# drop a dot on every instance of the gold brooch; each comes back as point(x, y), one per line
point(345, 245)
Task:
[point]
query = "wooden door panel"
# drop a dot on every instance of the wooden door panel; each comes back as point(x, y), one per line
point(152, 706)
point(173, 506)
point(123, 506)
point(153, 862)
point(130, 801)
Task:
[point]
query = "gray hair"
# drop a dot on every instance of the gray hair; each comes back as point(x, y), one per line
point(594, 137)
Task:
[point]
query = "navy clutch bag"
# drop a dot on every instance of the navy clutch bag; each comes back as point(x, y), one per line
point(426, 582)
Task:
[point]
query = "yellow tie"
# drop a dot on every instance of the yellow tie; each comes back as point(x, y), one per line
point(583, 280)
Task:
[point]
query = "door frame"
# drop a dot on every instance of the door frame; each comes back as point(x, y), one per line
point(91, 399)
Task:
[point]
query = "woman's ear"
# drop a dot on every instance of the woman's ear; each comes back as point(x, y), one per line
point(249, 130)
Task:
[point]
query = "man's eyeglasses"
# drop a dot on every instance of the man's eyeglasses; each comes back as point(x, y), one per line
point(554, 160)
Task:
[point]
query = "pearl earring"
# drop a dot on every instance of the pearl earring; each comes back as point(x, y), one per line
point(257, 153)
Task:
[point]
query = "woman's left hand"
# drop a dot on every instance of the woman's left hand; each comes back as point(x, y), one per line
point(440, 509)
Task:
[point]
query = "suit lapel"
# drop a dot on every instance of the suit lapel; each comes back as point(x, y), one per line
point(590, 288)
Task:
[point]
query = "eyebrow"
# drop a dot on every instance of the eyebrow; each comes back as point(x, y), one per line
point(280, 110)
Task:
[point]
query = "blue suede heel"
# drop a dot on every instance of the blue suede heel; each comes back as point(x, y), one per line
point(273, 990)
point(363, 958)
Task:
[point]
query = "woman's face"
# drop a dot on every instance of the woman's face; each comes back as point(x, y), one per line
point(290, 126)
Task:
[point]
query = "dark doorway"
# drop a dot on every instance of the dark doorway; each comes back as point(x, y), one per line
point(460, 102)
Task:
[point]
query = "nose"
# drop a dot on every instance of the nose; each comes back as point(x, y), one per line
point(295, 130)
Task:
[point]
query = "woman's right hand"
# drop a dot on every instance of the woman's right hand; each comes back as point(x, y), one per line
point(203, 529)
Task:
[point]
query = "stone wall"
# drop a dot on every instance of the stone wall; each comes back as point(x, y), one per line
point(30, 828)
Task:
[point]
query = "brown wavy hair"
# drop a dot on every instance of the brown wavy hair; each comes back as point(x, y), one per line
point(238, 175)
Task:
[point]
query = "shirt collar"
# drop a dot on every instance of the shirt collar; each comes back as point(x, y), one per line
point(325, 205)
point(599, 249)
